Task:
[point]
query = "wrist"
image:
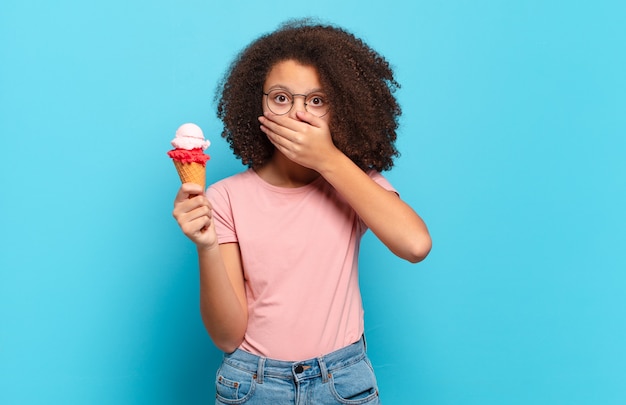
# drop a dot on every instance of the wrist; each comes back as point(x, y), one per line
point(208, 248)
point(333, 163)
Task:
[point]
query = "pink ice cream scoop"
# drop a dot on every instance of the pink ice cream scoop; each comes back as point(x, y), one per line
point(189, 136)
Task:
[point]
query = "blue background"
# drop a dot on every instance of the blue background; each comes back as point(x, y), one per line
point(513, 144)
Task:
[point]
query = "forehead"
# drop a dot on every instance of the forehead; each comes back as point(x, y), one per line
point(293, 76)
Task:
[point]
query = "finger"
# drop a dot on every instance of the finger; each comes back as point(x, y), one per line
point(196, 226)
point(202, 210)
point(282, 124)
point(187, 190)
point(307, 117)
point(190, 220)
point(269, 125)
point(186, 208)
point(192, 189)
point(276, 136)
point(281, 143)
point(288, 130)
point(300, 123)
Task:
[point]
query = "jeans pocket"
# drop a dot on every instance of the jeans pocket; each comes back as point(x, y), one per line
point(233, 385)
point(355, 384)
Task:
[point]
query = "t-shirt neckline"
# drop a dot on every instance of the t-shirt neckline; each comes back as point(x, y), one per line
point(285, 190)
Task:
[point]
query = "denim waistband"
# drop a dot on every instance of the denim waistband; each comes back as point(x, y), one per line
point(298, 370)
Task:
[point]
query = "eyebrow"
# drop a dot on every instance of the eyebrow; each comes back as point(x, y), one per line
point(281, 87)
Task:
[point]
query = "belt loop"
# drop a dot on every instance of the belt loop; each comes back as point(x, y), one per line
point(364, 342)
point(260, 370)
point(323, 369)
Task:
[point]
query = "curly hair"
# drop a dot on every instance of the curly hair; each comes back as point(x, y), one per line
point(358, 83)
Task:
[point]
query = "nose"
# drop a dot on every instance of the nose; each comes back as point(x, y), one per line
point(298, 104)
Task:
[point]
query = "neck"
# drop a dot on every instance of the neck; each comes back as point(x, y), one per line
point(282, 172)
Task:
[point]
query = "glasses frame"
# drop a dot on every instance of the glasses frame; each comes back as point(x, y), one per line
point(293, 101)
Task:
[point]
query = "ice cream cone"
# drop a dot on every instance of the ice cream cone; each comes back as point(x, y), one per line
point(191, 172)
point(188, 154)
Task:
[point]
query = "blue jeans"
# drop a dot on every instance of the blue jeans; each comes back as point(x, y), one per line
point(341, 377)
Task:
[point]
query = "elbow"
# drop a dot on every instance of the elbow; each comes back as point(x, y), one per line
point(227, 346)
point(419, 249)
point(226, 343)
point(226, 337)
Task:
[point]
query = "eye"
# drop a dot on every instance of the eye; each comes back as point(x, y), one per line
point(316, 101)
point(279, 97)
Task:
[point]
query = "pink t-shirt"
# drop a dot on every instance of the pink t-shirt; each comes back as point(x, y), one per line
point(299, 249)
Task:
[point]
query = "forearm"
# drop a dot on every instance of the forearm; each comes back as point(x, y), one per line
point(223, 307)
point(393, 221)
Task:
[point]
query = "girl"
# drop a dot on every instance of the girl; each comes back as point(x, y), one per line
point(309, 109)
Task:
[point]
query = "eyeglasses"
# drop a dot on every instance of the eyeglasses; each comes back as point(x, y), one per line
point(280, 102)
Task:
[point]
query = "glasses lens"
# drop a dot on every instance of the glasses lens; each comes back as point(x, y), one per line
point(316, 104)
point(279, 101)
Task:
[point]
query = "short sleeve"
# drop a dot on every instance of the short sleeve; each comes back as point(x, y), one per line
point(384, 183)
point(222, 213)
point(381, 181)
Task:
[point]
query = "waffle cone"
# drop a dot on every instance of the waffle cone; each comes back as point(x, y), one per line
point(191, 173)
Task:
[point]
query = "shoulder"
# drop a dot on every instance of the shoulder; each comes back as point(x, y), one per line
point(235, 181)
point(222, 192)
point(229, 195)
point(246, 176)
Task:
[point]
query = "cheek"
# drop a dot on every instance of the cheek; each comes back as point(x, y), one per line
point(327, 117)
